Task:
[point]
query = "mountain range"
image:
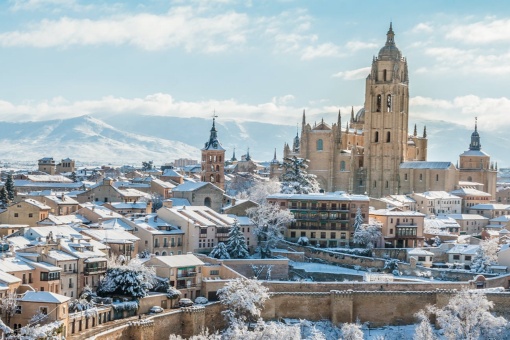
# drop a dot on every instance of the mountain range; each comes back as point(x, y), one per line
point(133, 138)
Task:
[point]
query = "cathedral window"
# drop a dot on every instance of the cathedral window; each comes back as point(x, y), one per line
point(384, 75)
point(388, 103)
point(376, 137)
point(421, 177)
point(388, 137)
point(320, 145)
point(217, 168)
point(342, 166)
point(379, 103)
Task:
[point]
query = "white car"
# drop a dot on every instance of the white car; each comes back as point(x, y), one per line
point(155, 309)
point(185, 302)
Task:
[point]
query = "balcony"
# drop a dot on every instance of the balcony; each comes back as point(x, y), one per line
point(97, 270)
point(186, 286)
point(188, 274)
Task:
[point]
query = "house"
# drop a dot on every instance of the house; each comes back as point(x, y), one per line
point(46, 275)
point(27, 212)
point(8, 284)
point(158, 236)
point(441, 225)
point(120, 242)
point(421, 256)
point(462, 254)
point(239, 208)
point(471, 197)
point(53, 305)
point(47, 165)
point(129, 209)
point(105, 192)
point(437, 202)
point(470, 224)
point(325, 219)
point(172, 175)
point(403, 202)
point(60, 205)
point(183, 271)
point(162, 188)
point(200, 194)
point(96, 213)
point(490, 210)
point(400, 229)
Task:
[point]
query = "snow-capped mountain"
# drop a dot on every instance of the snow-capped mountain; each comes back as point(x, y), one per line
point(86, 139)
point(134, 138)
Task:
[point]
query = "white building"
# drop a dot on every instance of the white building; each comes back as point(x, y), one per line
point(437, 203)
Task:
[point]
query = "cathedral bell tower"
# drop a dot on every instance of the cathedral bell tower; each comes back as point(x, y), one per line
point(386, 120)
point(213, 160)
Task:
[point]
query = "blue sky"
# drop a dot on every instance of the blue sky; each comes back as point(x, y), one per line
point(261, 60)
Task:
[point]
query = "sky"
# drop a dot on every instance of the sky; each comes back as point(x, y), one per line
point(255, 60)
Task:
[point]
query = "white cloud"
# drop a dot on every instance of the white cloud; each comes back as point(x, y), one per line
point(483, 32)
point(360, 45)
point(180, 27)
point(320, 51)
point(353, 74)
point(492, 113)
point(422, 28)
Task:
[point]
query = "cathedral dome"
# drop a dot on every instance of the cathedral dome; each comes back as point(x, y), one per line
point(390, 50)
point(360, 116)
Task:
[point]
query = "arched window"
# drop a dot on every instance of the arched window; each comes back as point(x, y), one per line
point(388, 137)
point(320, 145)
point(384, 75)
point(211, 179)
point(163, 253)
point(219, 158)
point(388, 103)
point(157, 253)
point(379, 103)
point(421, 177)
point(470, 179)
point(342, 165)
point(217, 168)
point(207, 202)
point(218, 178)
point(376, 137)
point(405, 177)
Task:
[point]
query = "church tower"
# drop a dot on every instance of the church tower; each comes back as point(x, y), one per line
point(213, 160)
point(386, 120)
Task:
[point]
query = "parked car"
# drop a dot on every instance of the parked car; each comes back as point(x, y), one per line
point(155, 309)
point(185, 302)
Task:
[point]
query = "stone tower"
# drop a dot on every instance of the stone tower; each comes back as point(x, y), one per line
point(213, 160)
point(475, 165)
point(385, 120)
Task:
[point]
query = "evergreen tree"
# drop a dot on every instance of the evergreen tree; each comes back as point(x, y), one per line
point(9, 186)
point(236, 243)
point(219, 251)
point(358, 219)
point(73, 177)
point(295, 179)
point(3, 196)
point(485, 256)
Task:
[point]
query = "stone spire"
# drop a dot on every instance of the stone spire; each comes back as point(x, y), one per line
point(475, 138)
point(352, 114)
point(213, 142)
point(304, 119)
point(425, 131)
point(248, 158)
point(234, 159)
point(415, 131)
point(275, 160)
point(390, 36)
point(339, 128)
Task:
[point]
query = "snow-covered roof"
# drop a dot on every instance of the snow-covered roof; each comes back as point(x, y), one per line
point(49, 178)
point(171, 173)
point(176, 261)
point(202, 216)
point(18, 241)
point(391, 212)
point(61, 200)
point(14, 264)
point(242, 220)
point(425, 165)
point(8, 278)
point(101, 211)
point(474, 153)
point(190, 186)
point(490, 206)
point(436, 195)
point(179, 202)
point(38, 204)
point(470, 192)
point(164, 184)
point(122, 205)
point(157, 225)
point(59, 255)
point(48, 297)
point(111, 235)
point(336, 196)
point(467, 217)
point(114, 223)
point(464, 249)
point(420, 252)
point(502, 218)
point(21, 183)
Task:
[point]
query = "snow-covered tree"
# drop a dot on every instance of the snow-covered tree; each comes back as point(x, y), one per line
point(8, 305)
point(467, 316)
point(9, 187)
point(259, 192)
point(358, 219)
point(352, 331)
point(485, 256)
point(73, 177)
point(243, 299)
point(423, 330)
point(236, 243)
point(133, 279)
point(295, 179)
point(3, 196)
point(271, 222)
point(437, 241)
point(367, 235)
point(219, 251)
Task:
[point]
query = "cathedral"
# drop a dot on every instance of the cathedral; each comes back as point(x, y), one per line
point(374, 153)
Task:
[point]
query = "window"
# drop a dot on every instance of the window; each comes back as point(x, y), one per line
point(378, 103)
point(342, 166)
point(43, 310)
point(388, 103)
point(214, 272)
point(312, 234)
point(320, 145)
point(437, 178)
point(376, 137)
point(323, 234)
point(207, 201)
point(421, 258)
point(333, 235)
point(384, 75)
point(16, 215)
point(387, 184)
point(405, 177)
point(18, 310)
point(467, 258)
point(30, 215)
point(421, 179)
point(456, 257)
point(388, 137)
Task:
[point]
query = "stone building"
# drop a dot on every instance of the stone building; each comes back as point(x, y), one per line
point(213, 160)
point(324, 219)
point(375, 154)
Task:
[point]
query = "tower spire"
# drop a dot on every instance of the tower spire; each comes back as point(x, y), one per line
point(415, 131)
point(390, 36)
point(234, 156)
point(352, 114)
point(425, 131)
point(304, 118)
point(248, 158)
point(475, 138)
